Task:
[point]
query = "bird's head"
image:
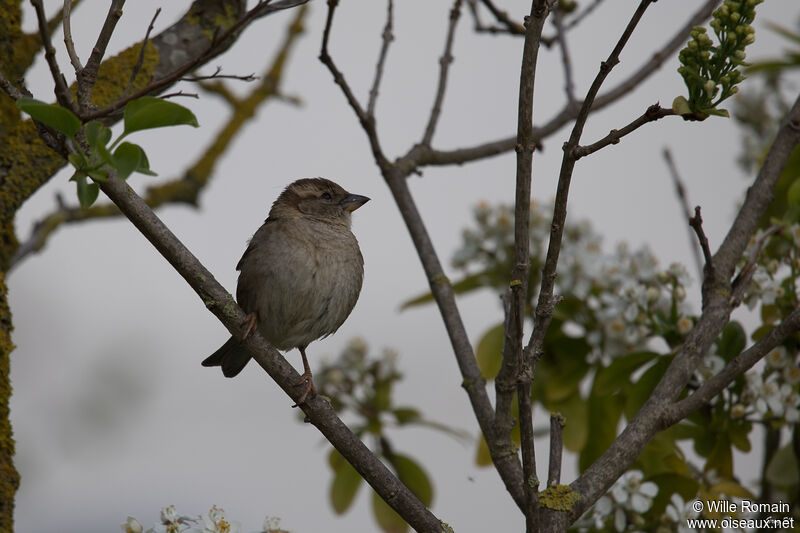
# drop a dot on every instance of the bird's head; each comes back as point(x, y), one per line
point(318, 198)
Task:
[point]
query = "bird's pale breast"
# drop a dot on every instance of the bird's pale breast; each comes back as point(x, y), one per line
point(311, 290)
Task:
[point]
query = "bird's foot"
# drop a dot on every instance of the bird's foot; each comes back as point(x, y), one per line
point(306, 381)
point(249, 325)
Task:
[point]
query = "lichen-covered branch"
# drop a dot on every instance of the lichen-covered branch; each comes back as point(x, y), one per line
point(187, 188)
point(660, 410)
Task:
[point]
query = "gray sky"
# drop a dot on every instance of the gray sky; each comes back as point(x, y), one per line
point(112, 412)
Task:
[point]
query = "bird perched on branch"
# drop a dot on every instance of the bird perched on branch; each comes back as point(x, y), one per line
point(300, 275)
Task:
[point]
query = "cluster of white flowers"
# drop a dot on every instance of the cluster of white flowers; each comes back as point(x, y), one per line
point(214, 521)
point(625, 504)
point(353, 376)
point(772, 392)
point(772, 276)
point(628, 298)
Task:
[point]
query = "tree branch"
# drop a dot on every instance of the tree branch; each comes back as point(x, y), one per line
point(546, 303)
point(516, 372)
point(696, 223)
point(187, 188)
point(570, 111)
point(738, 366)
point(683, 200)
point(655, 415)
point(566, 61)
point(87, 77)
point(387, 38)
point(557, 423)
point(653, 113)
point(70, 45)
point(140, 60)
point(218, 44)
point(63, 96)
point(501, 448)
point(317, 410)
point(444, 68)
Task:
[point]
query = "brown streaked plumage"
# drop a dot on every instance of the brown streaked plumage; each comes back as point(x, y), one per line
point(301, 274)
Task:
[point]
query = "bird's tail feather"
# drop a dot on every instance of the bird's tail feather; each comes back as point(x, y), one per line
point(231, 357)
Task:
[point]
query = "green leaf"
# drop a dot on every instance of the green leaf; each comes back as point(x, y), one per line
point(639, 392)
point(482, 455)
point(730, 488)
point(127, 159)
point(783, 470)
point(57, 117)
point(489, 352)
point(721, 457)
point(144, 166)
point(77, 161)
point(96, 134)
point(404, 415)
point(149, 112)
point(669, 484)
point(97, 174)
point(611, 378)
point(388, 520)
point(604, 415)
point(739, 433)
point(793, 194)
point(345, 484)
point(469, 283)
point(732, 341)
point(576, 431)
point(681, 106)
point(414, 477)
point(87, 192)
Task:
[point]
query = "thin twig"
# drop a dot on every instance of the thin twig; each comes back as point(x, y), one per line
point(515, 362)
point(9, 88)
point(574, 21)
point(217, 75)
point(566, 61)
point(655, 415)
point(444, 69)
point(367, 122)
point(569, 112)
point(683, 200)
point(696, 222)
point(557, 423)
point(63, 96)
point(546, 303)
point(653, 113)
point(187, 188)
point(87, 77)
point(178, 94)
point(502, 17)
point(317, 410)
point(218, 41)
point(387, 37)
point(140, 60)
point(73, 55)
point(501, 448)
point(738, 366)
point(739, 284)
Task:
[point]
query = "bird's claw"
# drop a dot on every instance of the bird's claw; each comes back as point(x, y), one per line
point(249, 325)
point(305, 380)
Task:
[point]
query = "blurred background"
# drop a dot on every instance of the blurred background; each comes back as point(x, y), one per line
point(113, 414)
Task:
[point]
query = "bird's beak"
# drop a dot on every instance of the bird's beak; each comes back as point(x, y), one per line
point(351, 202)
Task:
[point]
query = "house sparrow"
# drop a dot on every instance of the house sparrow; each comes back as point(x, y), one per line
point(300, 275)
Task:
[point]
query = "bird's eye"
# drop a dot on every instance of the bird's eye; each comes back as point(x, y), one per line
point(326, 195)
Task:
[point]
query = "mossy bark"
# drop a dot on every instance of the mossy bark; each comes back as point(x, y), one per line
point(26, 163)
